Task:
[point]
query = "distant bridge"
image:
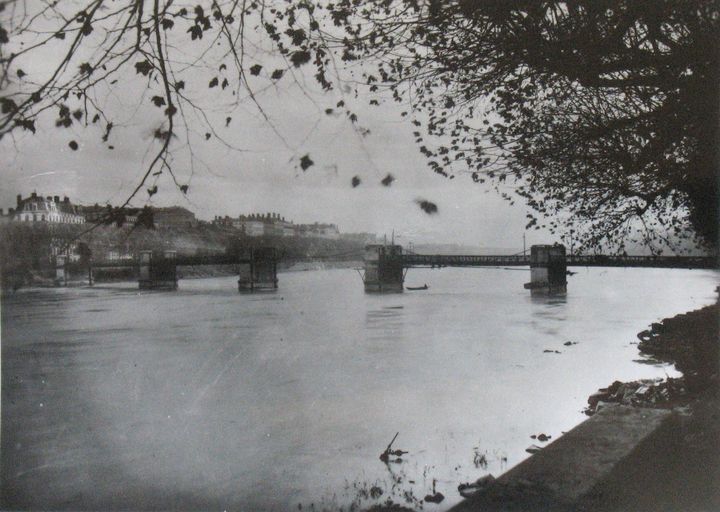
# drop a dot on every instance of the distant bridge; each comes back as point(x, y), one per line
point(385, 266)
point(571, 260)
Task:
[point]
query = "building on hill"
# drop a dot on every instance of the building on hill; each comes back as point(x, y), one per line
point(317, 230)
point(47, 209)
point(174, 217)
point(259, 224)
point(110, 214)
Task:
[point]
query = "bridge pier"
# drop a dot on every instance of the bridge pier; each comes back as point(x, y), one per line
point(259, 271)
point(158, 271)
point(61, 273)
point(384, 270)
point(548, 270)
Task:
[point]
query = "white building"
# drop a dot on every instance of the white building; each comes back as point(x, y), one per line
point(47, 209)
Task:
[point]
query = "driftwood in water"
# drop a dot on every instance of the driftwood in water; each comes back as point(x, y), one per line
point(385, 456)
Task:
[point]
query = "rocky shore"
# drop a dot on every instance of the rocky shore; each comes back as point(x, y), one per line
point(690, 342)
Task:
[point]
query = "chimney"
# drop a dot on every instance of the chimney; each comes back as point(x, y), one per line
point(66, 200)
point(10, 211)
point(2, 212)
point(56, 199)
point(33, 195)
point(19, 199)
point(49, 198)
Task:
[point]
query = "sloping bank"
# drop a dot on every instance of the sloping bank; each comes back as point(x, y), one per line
point(649, 445)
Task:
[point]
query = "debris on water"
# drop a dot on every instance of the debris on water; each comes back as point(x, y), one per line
point(435, 498)
point(480, 459)
point(533, 448)
point(548, 351)
point(569, 343)
point(543, 438)
point(467, 490)
point(375, 492)
point(385, 456)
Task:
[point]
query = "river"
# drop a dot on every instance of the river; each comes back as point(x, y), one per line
point(207, 399)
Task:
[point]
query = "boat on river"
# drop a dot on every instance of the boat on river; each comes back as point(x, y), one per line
point(423, 287)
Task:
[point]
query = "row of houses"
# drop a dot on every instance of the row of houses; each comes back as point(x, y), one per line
point(273, 224)
point(51, 209)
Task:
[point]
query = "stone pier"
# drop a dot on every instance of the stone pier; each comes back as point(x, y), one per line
point(548, 270)
point(61, 272)
point(158, 270)
point(258, 270)
point(384, 270)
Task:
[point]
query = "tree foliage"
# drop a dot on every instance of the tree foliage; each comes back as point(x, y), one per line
point(600, 114)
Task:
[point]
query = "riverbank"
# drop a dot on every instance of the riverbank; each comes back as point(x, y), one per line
point(678, 470)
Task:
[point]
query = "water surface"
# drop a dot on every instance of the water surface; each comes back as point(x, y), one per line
point(208, 399)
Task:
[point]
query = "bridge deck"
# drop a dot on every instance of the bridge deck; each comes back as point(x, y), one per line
point(599, 260)
point(444, 260)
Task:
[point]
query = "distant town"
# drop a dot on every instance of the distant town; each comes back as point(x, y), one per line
point(54, 210)
point(40, 228)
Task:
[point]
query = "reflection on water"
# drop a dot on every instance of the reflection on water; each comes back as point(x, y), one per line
point(206, 398)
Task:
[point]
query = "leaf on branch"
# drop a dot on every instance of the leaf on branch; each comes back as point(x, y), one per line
point(171, 111)
point(167, 23)
point(78, 114)
point(3, 36)
point(329, 111)
point(213, 82)
point(87, 28)
point(222, 66)
point(180, 84)
point(355, 181)
point(255, 70)
point(108, 129)
point(96, 118)
point(158, 101)
point(26, 124)
point(306, 162)
point(427, 206)
point(161, 134)
point(277, 74)
point(195, 32)
point(184, 188)
point(21, 73)
point(207, 136)
point(387, 180)
point(299, 58)
point(60, 35)
point(73, 145)
point(143, 67)
point(227, 121)
point(7, 105)
point(152, 190)
point(225, 83)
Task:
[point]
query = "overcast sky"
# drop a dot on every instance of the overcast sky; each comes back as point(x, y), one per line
point(263, 173)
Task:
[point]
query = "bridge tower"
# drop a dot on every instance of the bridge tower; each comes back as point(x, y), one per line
point(258, 272)
point(158, 270)
point(384, 271)
point(548, 270)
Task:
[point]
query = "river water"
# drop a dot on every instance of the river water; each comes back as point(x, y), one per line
point(207, 399)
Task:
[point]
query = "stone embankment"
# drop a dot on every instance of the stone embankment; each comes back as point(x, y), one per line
point(654, 445)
